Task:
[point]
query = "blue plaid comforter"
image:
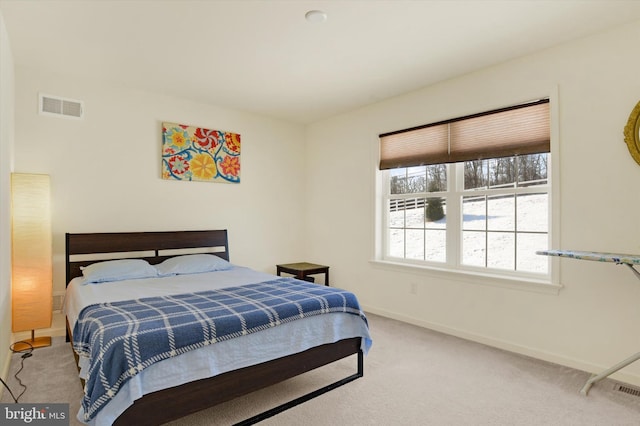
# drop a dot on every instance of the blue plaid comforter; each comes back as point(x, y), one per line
point(123, 338)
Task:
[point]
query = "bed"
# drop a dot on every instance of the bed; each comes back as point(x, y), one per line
point(203, 375)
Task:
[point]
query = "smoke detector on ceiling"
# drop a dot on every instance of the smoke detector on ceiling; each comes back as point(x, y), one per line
point(315, 16)
point(60, 107)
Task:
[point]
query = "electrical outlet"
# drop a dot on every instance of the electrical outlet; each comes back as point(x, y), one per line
point(58, 300)
point(413, 288)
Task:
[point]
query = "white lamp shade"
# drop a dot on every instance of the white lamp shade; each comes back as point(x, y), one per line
point(31, 252)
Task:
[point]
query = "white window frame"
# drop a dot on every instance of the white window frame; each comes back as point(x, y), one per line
point(454, 232)
point(452, 269)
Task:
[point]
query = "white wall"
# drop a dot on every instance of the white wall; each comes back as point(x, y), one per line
point(6, 156)
point(105, 174)
point(593, 322)
point(106, 170)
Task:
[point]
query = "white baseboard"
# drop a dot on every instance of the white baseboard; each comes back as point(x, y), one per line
point(577, 364)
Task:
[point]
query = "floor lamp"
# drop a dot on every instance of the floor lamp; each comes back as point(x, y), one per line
point(31, 258)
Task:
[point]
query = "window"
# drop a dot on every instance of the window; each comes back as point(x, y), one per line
point(470, 193)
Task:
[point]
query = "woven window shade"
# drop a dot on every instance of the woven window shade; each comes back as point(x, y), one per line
point(415, 147)
point(519, 130)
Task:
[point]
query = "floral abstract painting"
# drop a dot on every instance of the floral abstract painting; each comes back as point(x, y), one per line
point(195, 153)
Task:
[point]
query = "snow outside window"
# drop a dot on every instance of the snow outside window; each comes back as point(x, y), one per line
point(486, 214)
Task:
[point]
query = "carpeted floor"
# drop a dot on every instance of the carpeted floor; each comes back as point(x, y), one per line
point(413, 376)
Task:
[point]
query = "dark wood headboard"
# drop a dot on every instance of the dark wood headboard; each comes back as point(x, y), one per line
point(88, 248)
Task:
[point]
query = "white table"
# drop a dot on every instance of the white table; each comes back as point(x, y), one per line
point(619, 259)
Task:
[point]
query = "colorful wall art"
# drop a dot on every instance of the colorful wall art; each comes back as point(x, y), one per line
point(195, 153)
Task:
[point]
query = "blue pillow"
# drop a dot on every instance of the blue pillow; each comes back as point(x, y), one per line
point(192, 264)
point(117, 270)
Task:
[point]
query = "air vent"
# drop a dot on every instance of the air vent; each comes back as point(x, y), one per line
point(60, 107)
point(627, 389)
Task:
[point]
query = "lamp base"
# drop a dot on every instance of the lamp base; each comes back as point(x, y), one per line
point(38, 342)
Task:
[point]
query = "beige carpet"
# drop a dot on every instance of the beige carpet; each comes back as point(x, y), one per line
point(412, 376)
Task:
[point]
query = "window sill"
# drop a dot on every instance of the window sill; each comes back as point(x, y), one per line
point(494, 280)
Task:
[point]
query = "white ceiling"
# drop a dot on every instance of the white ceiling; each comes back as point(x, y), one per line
point(263, 57)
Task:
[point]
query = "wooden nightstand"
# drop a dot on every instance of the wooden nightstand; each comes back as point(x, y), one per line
point(302, 270)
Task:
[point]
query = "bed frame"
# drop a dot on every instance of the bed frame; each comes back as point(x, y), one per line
point(169, 404)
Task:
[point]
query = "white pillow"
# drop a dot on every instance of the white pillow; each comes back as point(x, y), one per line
point(117, 270)
point(192, 264)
